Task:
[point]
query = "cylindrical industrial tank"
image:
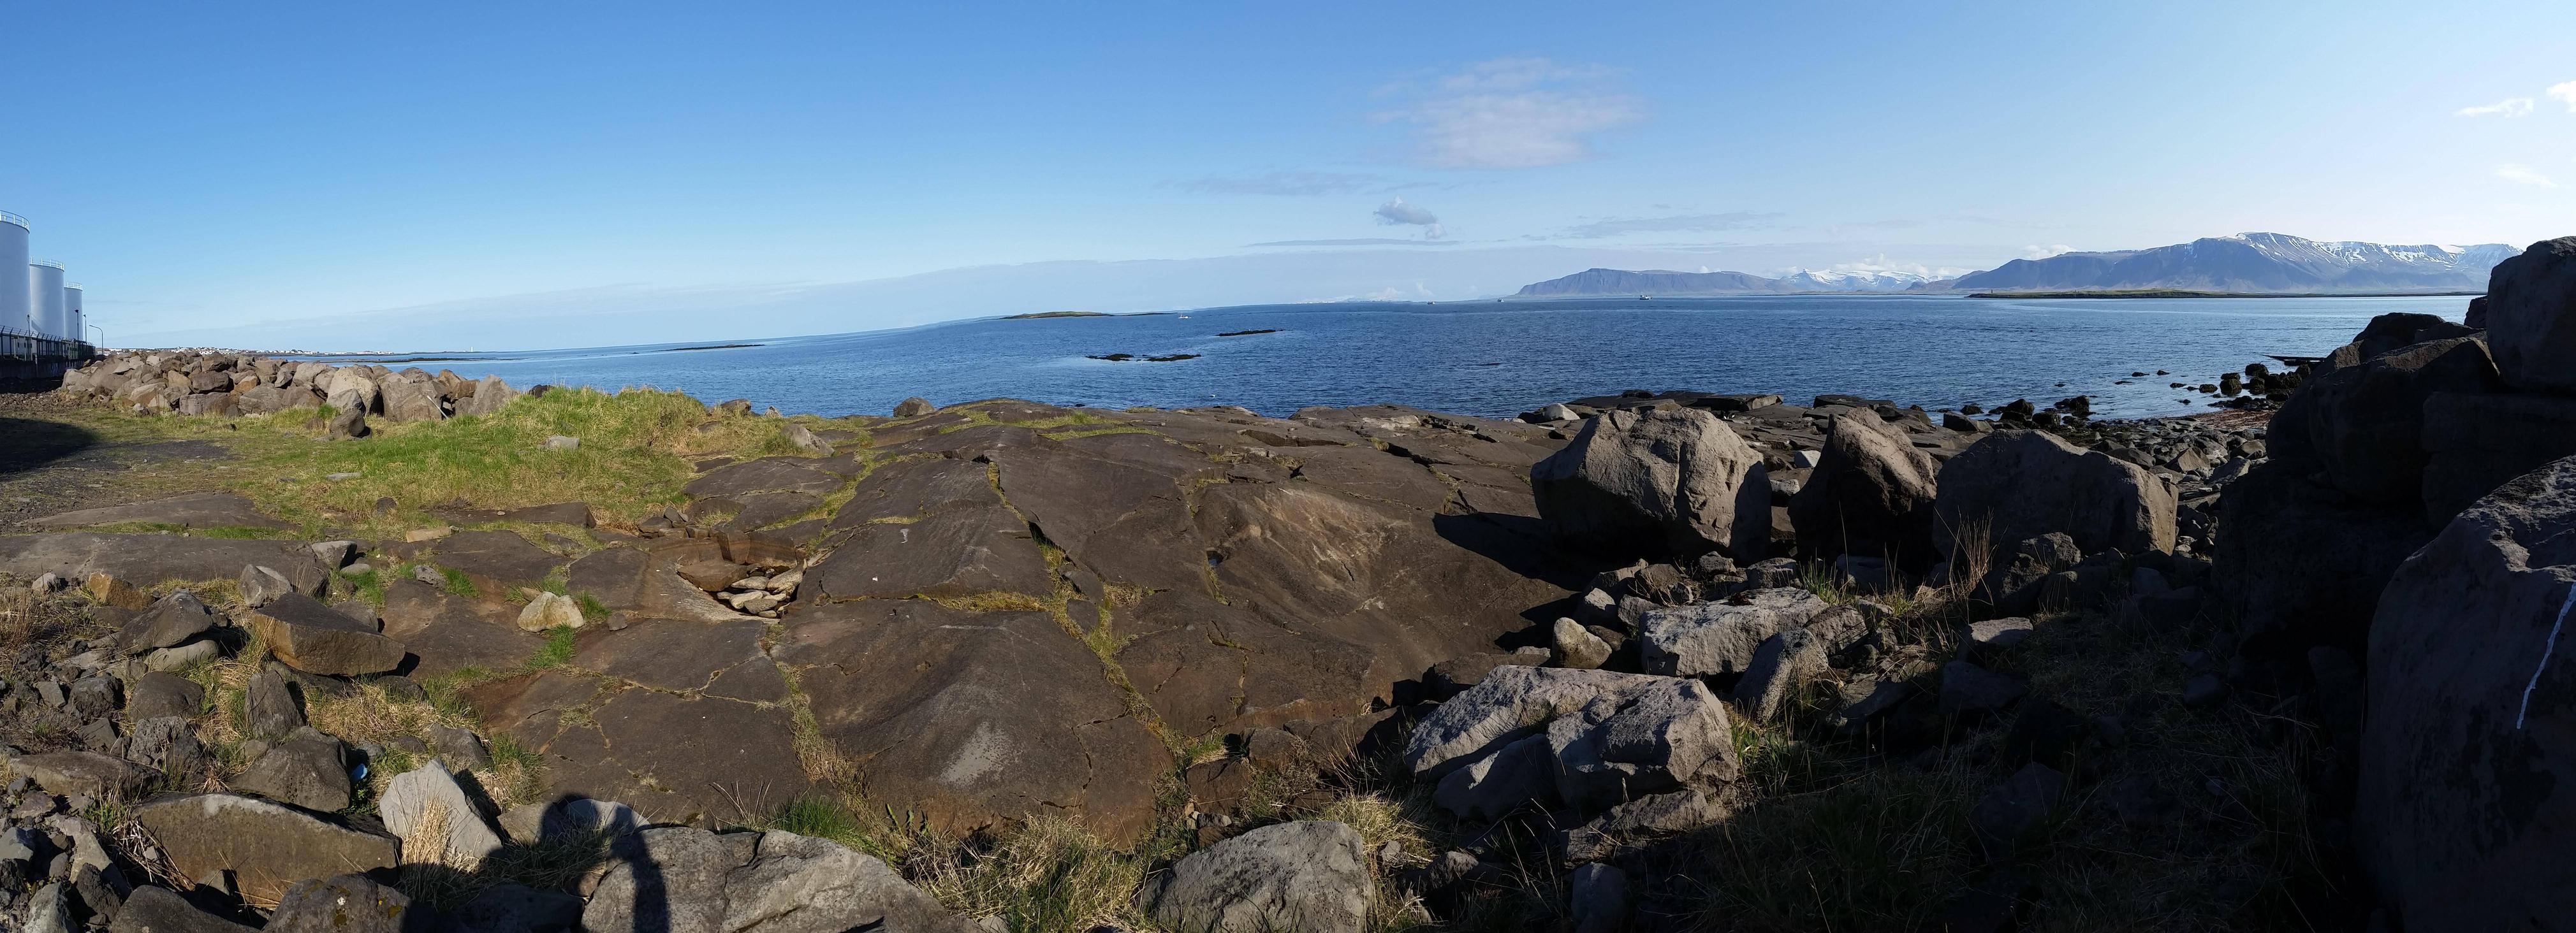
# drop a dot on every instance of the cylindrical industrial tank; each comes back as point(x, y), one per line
point(73, 313)
point(15, 310)
point(45, 298)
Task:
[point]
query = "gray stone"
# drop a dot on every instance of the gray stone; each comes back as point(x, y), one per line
point(171, 621)
point(1995, 636)
point(1637, 820)
point(303, 769)
point(1663, 735)
point(914, 407)
point(2467, 786)
point(679, 880)
point(1720, 638)
point(2023, 484)
point(343, 904)
point(1302, 877)
point(461, 747)
point(261, 585)
point(428, 797)
point(160, 910)
point(159, 694)
point(1779, 666)
point(49, 910)
point(1597, 896)
point(267, 846)
point(1504, 780)
point(317, 639)
point(2531, 317)
point(1576, 647)
point(85, 773)
point(1967, 688)
point(1677, 482)
point(1509, 703)
point(269, 707)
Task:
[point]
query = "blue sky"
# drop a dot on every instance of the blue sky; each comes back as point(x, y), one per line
point(207, 168)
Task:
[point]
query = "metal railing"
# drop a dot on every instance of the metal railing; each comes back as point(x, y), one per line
point(48, 263)
point(6, 217)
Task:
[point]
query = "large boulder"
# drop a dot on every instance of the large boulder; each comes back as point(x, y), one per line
point(1674, 482)
point(2467, 804)
point(1303, 877)
point(679, 880)
point(2363, 426)
point(267, 846)
point(1511, 703)
point(1870, 494)
point(2303, 564)
point(318, 639)
point(2017, 485)
point(303, 769)
point(1722, 637)
point(2476, 443)
point(344, 904)
point(2531, 317)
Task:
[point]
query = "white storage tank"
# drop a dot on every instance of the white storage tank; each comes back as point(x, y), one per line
point(16, 314)
point(45, 298)
point(73, 313)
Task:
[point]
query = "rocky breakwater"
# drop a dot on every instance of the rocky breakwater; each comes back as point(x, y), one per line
point(219, 384)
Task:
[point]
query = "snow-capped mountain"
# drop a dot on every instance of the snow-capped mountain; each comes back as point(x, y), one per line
point(1665, 282)
point(2254, 262)
point(1827, 280)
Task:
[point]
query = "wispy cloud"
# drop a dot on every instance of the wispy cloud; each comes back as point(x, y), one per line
point(1678, 223)
point(1284, 184)
point(2508, 107)
point(1357, 241)
point(2036, 251)
point(1514, 113)
point(2564, 92)
point(2525, 175)
point(1397, 213)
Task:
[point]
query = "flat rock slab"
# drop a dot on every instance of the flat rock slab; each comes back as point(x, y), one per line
point(576, 514)
point(498, 562)
point(267, 846)
point(673, 758)
point(961, 552)
point(768, 474)
point(147, 559)
point(85, 773)
point(997, 715)
point(318, 639)
point(673, 655)
point(445, 633)
point(680, 880)
point(202, 510)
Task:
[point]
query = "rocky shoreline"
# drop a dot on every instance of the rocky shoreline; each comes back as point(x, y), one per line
point(1652, 661)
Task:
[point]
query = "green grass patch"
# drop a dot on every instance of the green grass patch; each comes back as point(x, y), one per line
point(458, 584)
point(557, 651)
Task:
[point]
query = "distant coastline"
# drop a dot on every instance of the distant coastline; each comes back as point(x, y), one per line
point(1042, 315)
point(2190, 293)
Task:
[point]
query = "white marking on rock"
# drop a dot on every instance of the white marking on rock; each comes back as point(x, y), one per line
point(2545, 651)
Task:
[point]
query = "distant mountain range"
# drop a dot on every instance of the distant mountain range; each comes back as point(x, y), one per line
point(2248, 262)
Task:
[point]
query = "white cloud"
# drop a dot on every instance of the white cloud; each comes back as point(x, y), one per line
point(1514, 113)
point(2524, 174)
point(1685, 223)
point(1880, 263)
point(1398, 213)
point(1283, 184)
point(2510, 106)
point(2564, 92)
point(2035, 251)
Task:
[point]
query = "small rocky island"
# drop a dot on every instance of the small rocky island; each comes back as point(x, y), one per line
point(297, 646)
